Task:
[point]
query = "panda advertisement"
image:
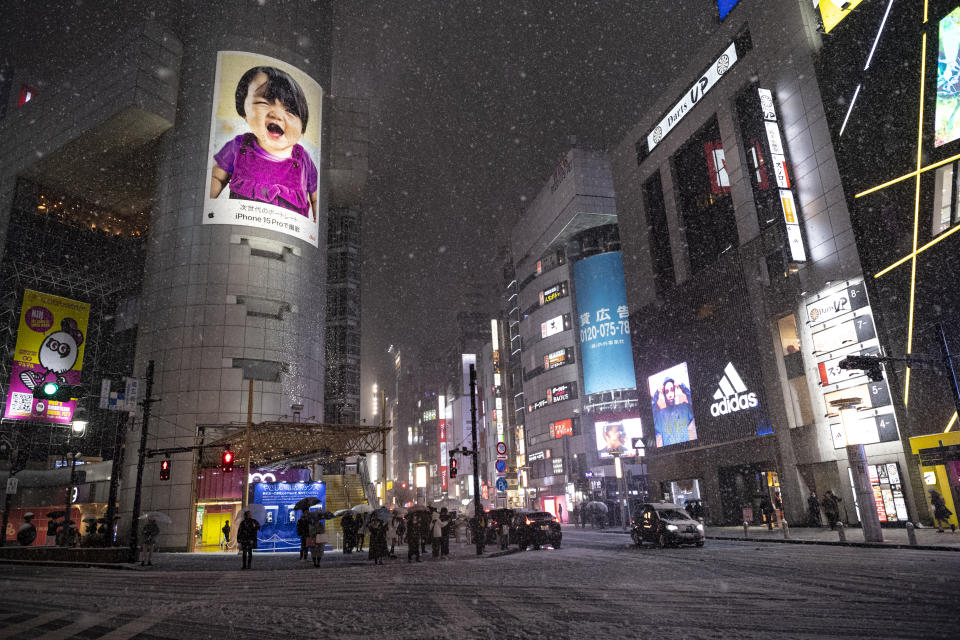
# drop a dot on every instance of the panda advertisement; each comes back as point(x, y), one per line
point(50, 346)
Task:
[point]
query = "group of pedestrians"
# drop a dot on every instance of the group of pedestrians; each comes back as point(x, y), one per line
point(312, 532)
point(355, 529)
point(831, 509)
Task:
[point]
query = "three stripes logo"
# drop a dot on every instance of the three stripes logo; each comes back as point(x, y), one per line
point(732, 394)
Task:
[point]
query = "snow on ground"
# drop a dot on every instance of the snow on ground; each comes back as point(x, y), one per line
point(596, 585)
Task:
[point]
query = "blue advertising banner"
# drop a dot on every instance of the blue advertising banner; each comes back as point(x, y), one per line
point(604, 323)
point(278, 530)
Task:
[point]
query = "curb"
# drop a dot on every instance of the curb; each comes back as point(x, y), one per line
point(500, 554)
point(837, 543)
point(829, 543)
point(123, 566)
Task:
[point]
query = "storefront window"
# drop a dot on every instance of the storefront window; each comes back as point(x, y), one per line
point(789, 338)
point(945, 210)
point(703, 196)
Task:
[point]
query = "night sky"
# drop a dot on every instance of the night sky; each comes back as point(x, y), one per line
point(473, 104)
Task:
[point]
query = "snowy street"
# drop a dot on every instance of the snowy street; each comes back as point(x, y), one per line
point(596, 585)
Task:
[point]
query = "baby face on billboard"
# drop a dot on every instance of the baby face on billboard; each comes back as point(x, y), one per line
point(276, 127)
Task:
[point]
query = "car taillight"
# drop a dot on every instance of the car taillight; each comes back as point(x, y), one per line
point(529, 521)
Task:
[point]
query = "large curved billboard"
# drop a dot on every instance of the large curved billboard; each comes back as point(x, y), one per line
point(263, 164)
point(604, 323)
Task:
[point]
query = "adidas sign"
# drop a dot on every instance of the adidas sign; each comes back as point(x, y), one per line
point(731, 394)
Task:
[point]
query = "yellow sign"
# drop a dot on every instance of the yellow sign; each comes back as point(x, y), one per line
point(50, 346)
point(831, 13)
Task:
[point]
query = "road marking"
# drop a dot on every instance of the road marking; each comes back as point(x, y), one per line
point(36, 621)
point(132, 628)
point(84, 622)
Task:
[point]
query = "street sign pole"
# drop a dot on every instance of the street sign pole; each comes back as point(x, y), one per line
point(147, 401)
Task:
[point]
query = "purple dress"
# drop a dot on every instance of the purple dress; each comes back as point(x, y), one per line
point(258, 175)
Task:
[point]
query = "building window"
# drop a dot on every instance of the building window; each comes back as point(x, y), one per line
point(659, 234)
point(945, 213)
point(703, 197)
point(799, 401)
point(557, 466)
point(763, 182)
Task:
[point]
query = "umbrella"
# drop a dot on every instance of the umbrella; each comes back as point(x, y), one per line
point(28, 515)
point(416, 507)
point(305, 503)
point(56, 514)
point(320, 514)
point(158, 516)
point(383, 514)
point(596, 506)
point(341, 512)
point(362, 508)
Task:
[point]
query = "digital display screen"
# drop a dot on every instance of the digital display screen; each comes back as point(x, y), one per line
point(561, 428)
point(555, 359)
point(555, 292)
point(947, 127)
point(617, 436)
point(672, 405)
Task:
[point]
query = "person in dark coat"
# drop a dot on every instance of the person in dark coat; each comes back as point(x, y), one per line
point(51, 532)
point(446, 524)
point(27, 532)
point(247, 538)
point(413, 538)
point(378, 541)
point(303, 532)
point(813, 510)
point(766, 507)
point(349, 533)
point(940, 511)
point(831, 508)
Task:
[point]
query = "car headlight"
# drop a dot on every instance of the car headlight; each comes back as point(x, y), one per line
point(700, 527)
point(672, 527)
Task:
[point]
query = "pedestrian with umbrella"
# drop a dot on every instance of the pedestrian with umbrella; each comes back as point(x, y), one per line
point(303, 532)
point(414, 531)
point(349, 532)
point(378, 541)
point(393, 533)
point(27, 532)
point(247, 538)
point(149, 534)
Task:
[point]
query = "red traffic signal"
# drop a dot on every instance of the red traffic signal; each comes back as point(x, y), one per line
point(453, 467)
point(164, 469)
point(226, 461)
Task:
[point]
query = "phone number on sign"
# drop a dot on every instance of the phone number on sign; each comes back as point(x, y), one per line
point(605, 330)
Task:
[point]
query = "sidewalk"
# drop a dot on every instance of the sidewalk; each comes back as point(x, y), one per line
point(927, 537)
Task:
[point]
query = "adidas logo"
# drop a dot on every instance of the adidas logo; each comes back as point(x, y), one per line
point(732, 394)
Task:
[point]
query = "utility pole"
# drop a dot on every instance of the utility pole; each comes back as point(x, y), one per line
point(69, 508)
point(477, 507)
point(115, 476)
point(147, 401)
point(246, 477)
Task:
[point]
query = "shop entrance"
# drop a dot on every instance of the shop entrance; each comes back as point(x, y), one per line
point(550, 504)
point(743, 491)
point(212, 525)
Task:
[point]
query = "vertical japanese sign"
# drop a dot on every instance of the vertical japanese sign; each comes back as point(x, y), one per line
point(50, 347)
point(604, 324)
point(442, 440)
point(779, 160)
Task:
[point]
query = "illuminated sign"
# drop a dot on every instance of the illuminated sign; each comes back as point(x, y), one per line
point(442, 440)
point(558, 393)
point(779, 160)
point(617, 436)
point(690, 98)
point(832, 12)
point(833, 305)
point(539, 455)
point(732, 394)
point(603, 314)
point(724, 7)
point(672, 406)
point(947, 127)
point(561, 428)
point(554, 326)
point(556, 359)
point(555, 292)
point(264, 147)
point(429, 415)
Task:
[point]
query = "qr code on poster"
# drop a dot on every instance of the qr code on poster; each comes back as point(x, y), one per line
point(21, 403)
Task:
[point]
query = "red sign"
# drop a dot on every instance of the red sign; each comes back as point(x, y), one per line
point(444, 460)
point(561, 428)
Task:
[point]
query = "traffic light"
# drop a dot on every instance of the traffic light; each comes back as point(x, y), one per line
point(453, 467)
point(164, 469)
point(871, 365)
point(57, 392)
point(226, 461)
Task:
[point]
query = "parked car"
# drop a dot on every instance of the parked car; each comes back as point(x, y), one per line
point(665, 524)
point(536, 528)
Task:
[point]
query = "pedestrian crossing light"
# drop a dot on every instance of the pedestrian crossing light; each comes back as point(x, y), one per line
point(453, 467)
point(57, 392)
point(226, 461)
point(165, 470)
